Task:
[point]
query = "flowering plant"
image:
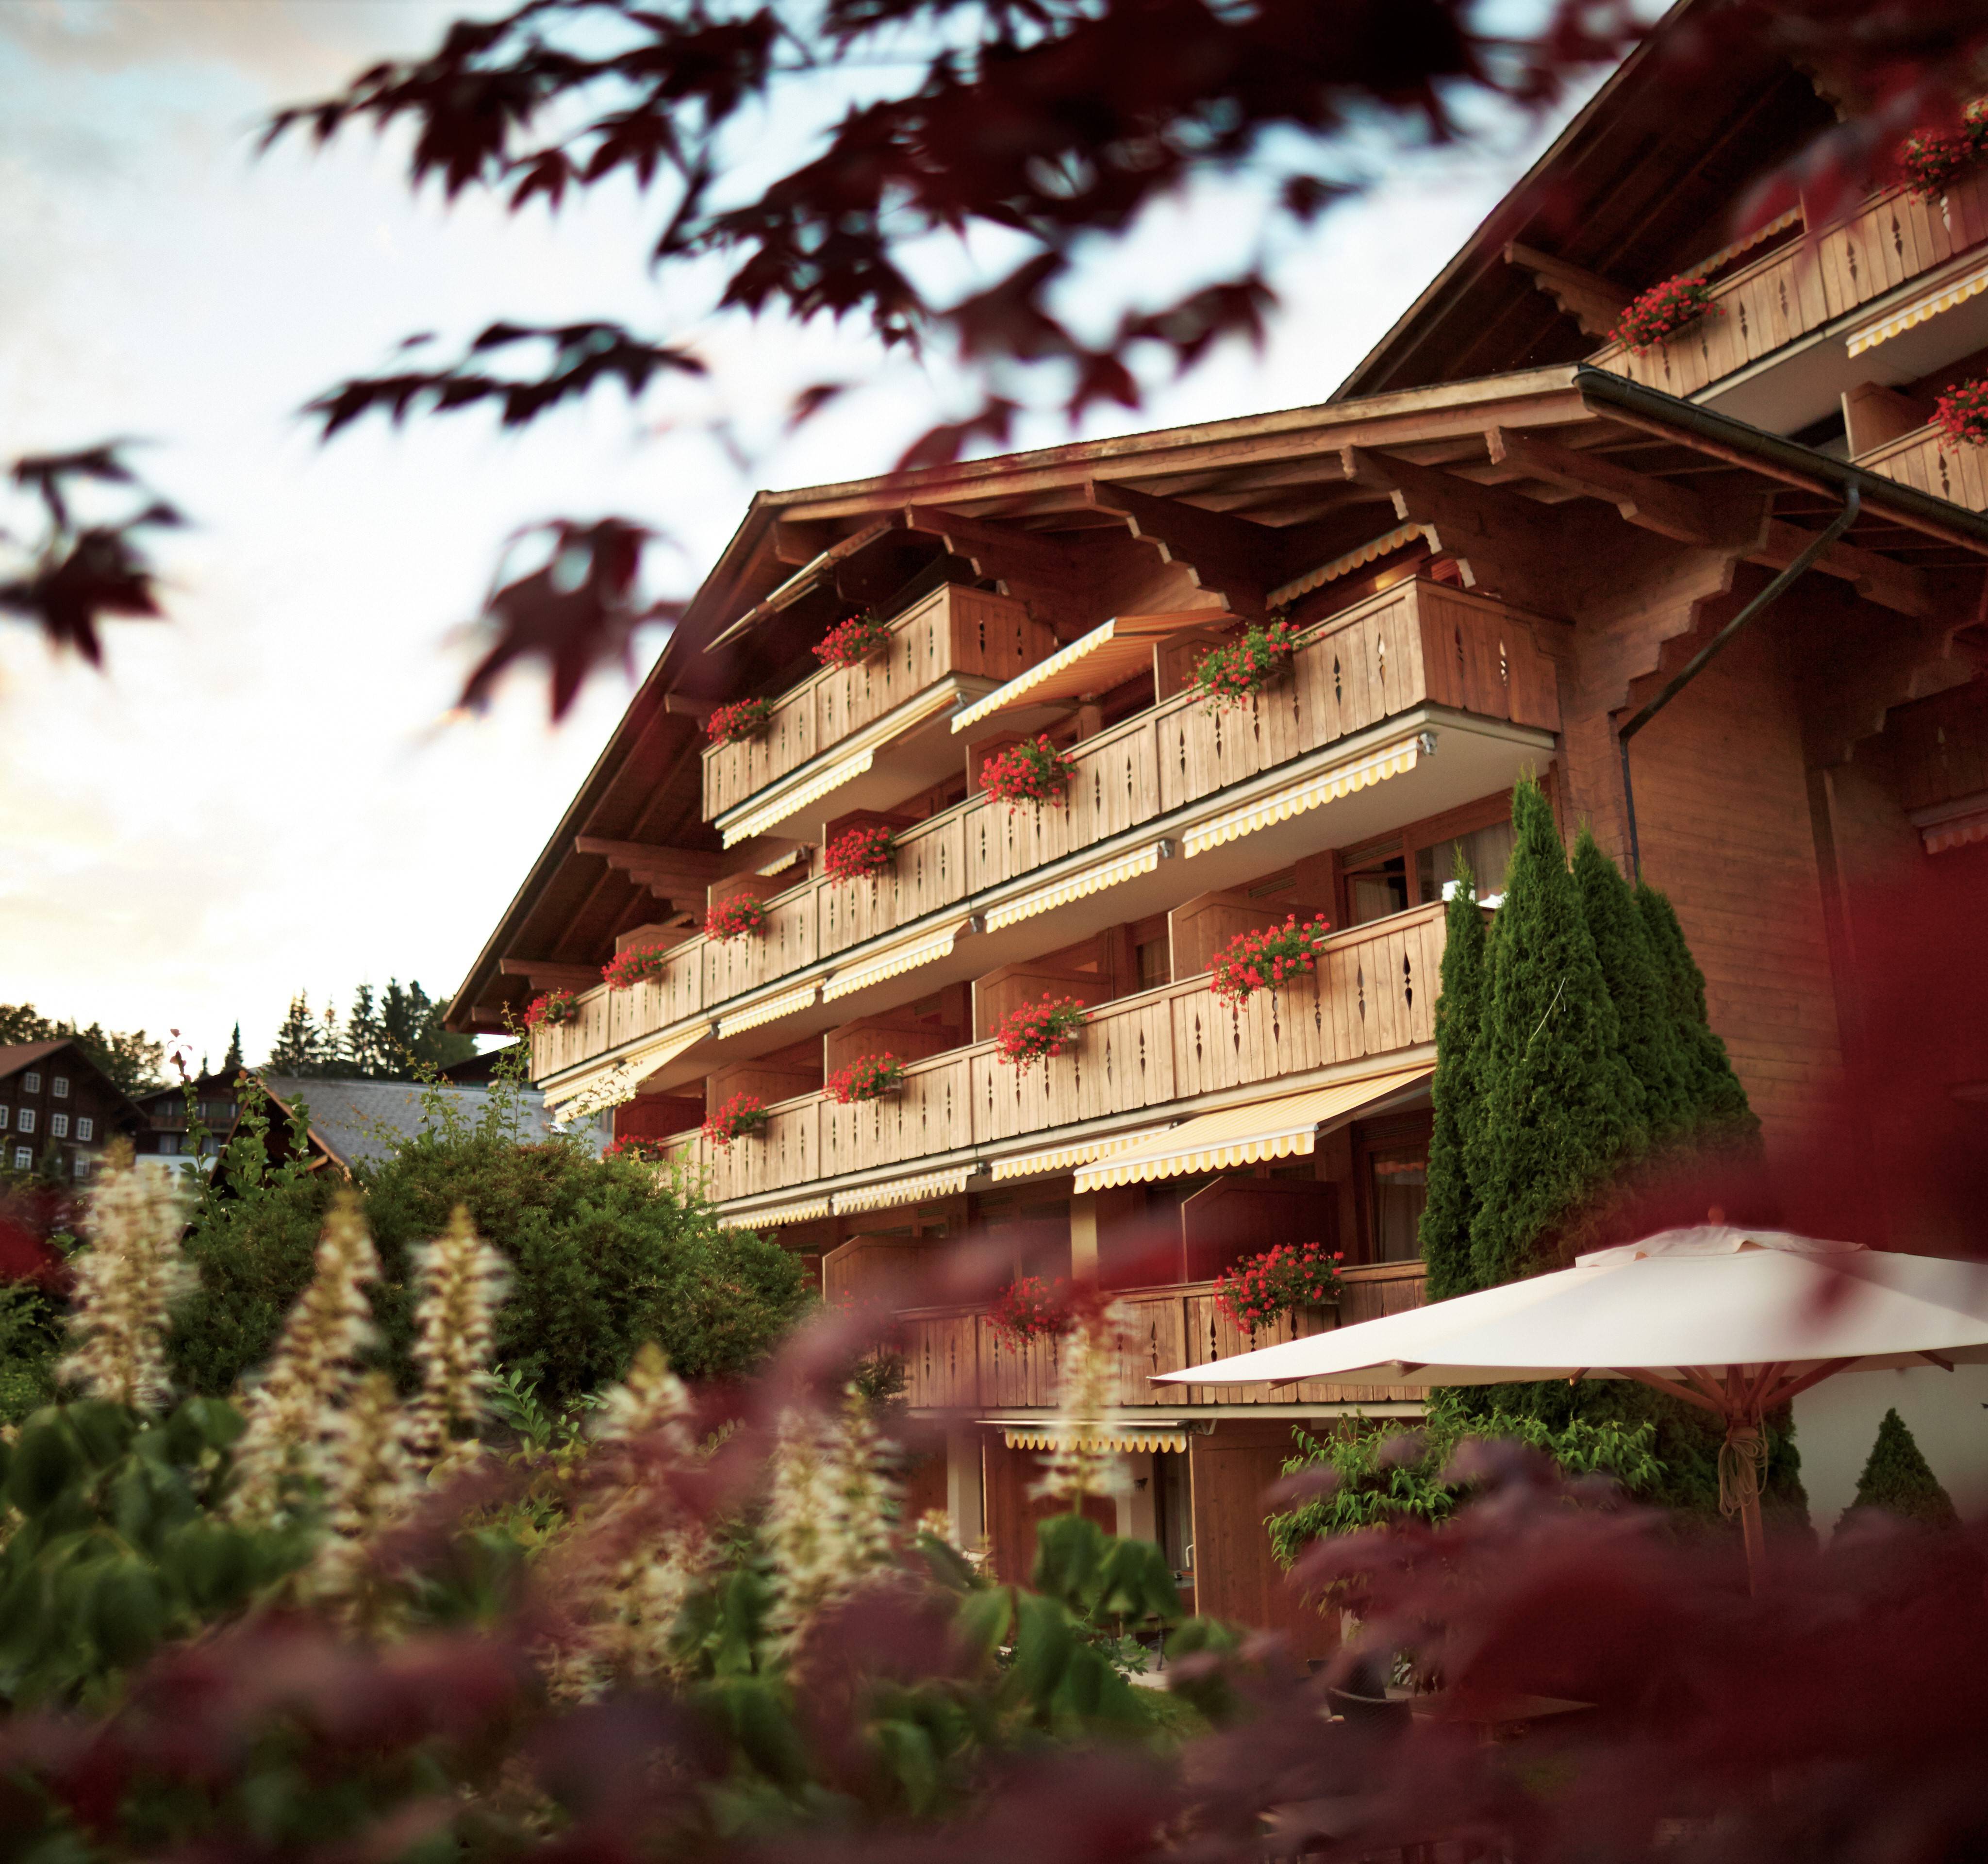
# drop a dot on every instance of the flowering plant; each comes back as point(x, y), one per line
point(1037, 1031)
point(1253, 961)
point(850, 643)
point(1254, 1293)
point(1031, 1308)
point(868, 1077)
point(1663, 310)
point(1962, 413)
point(741, 719)
point(1027, 773)
point(735, 918)
point(742, 1114)
point(1229, 676)
point(552, 1009)
point(626, 969)
point(861, 854)
point(1933, 162)
point(638, 1146)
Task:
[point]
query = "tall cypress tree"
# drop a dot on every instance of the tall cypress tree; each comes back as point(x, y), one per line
point(232, 1063)
point(1459, 1015)
point(1561, 1109)
point(1717, 1102)
point(1898, 1480)
point(1652, 1038)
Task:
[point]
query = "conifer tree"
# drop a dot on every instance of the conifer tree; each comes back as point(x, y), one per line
point(1717, 1103)
point(1898, 1481)
point(299, 1049)
point(1560, 1108)
point(232, 1063)
point(1446, 1214)
point(1653, 1039)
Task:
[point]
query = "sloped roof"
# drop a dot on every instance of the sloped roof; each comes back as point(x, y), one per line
point(15, 1056)
point(360, 1121)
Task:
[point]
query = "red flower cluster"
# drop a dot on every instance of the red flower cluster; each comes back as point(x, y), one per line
point(1037, 1031)
point(644, 1150)
point(1253, 961)
point(742, 1114)
point(1026, 773)
point(861, 854)
point(1029, 1308)
point(730, 723)
point(1933, 161)
point(1663, 310)
point(1230, 675)
point(850, 643)
point(551, 1009)
point(1961, 414)
point(626, 969)
point(735, 918)
point(1255, 1292)
point(868, 1077)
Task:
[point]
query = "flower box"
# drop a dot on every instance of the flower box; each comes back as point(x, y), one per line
point(1933, 160)
point(639, 1147)
point(851, 642)
point(742, 1114)
point(743, 719)
point(1663, 310)
point(1234, 675)
point(626, 969)
point(1031, 1308)
point(1268, 959)
point(552, 1010)
point(1037, 1031)
point(1287, 1278)
point(1033, 771)
point(737, 916)
point(862, 854)
point(1961, 414)
point(868, 1077)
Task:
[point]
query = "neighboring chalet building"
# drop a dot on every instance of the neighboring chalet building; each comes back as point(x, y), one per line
point(1500, 540)
point(169, 1134)
point(52, 1095)
point(362, 1122)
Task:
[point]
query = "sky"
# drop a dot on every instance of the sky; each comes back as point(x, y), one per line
point(269, 793)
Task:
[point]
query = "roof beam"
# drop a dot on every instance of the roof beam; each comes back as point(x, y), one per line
point(1229, 556)
point(669, 873)
point(543, 974)
point(1671, 511)
point(1595, 303)
point(1877, 579)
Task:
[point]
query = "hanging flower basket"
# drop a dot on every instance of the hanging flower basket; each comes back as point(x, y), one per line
point(744, 718)
point(1234, 675)
point(626, 969)
point(868, 1077)
point(553, 1010)
point(1254, 1293)
point(850, 643)
point(1028, 773)
point(1663, 310)
point(740, 916)
point(1934, 159)
point(642, 1150)
point(1031, 1308)
point(1278, 955)
point(1037, 1031)
point(742, 1114)
point(862, 854)
point(1961, 414)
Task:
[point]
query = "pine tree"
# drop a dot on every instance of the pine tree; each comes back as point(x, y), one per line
point(1718, 1109)
point(232, 1063)
point(1561, 1109)
point(298, 1050)
point(1898, 1481)
point(1653, 1041)
point(1446, 1214)
point(368, 1052)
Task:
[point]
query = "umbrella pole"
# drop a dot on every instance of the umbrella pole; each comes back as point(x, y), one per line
point(1742, 1462)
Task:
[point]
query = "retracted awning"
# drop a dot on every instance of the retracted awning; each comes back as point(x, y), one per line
point(1147, 1438)
point(1063, 1157)
point(1928, 304)
point(1353, 559)
point(610, 1083)
point(1095, 662)
point(774, 1216)
point(893, 962)
point(800, 583)
point(1954, 824)
point(792, 802)
point(1327, 786)
point(768, 1010)
point(1092, 879)
point(896, 1191)
point(1284, 1127)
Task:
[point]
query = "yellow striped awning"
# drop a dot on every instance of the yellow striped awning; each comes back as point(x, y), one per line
point(768, 1010)
point(774, 1215)
point(896, 1191)
point(1281, 1128)
point(1328, 786)
point(1930, 304)
point(1133, 1437)
point(1061, 1157)
point(1075, 886)
point(1951, 826)
point(792, 802)
point(1342, 566)
point(609, 1083)
point(900, 958)
point(1113, 650)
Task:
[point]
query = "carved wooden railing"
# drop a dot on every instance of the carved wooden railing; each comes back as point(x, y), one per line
point(953, 1360)
point(1893, 238)
point(1375, 994)
point(1928, 460)
point(951, 631)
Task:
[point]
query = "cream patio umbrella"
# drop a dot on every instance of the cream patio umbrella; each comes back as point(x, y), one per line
point(1736, 1320)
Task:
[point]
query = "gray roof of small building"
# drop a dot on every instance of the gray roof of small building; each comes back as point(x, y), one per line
point(360, 1121)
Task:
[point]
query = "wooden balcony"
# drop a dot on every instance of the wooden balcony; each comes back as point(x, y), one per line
point(1420, 643)
point(1928, 460)
point(951, 631)
point(1375, 994)
point(1801, 288)
point(954, 1361)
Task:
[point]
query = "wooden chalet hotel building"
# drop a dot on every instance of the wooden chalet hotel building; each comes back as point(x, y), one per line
point(1499, 539)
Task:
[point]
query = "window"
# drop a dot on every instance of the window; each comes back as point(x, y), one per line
point(59, 1086)
point(1377, 882)
point(1488, 850)
point(5, 1114)
point(31, 1082)
point(24, 1159)
point(86, 1128)
point(1390, 1165)
point(26, 1122)
point(169, 1143)
point(58, 1126)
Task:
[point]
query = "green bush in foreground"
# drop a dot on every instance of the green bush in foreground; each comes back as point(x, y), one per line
point(1898, 1481)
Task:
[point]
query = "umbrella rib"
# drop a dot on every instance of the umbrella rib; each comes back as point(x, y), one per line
point(1690, 1394)
point(1795, 1387)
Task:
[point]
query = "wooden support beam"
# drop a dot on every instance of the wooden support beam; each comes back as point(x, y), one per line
point(1652, 504)
point(1877, 579)
point(543, 974)
point(1595, 303)
point(669, 873)
point(1229, 556)
point(995, 551)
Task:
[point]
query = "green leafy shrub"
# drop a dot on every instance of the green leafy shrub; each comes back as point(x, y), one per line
point(1898, 1481)
point(30, 1338)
